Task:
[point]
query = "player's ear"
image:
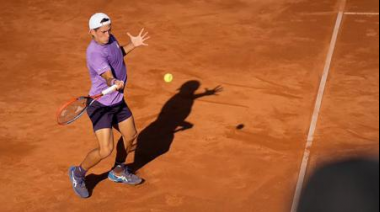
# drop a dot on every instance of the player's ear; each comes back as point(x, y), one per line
point(93, 32)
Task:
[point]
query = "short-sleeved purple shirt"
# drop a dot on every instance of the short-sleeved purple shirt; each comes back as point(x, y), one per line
point(100, 59)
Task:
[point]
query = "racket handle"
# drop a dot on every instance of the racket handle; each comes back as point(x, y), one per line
point(109, 90)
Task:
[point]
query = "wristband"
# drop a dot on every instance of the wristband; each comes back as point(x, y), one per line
point(113, 82)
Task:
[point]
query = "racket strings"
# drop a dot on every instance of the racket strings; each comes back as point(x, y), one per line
point(72, 111)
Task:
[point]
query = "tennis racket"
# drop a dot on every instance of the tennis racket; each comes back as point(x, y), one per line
point(75, 108)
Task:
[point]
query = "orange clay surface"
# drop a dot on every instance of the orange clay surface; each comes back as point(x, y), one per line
point(244, 150)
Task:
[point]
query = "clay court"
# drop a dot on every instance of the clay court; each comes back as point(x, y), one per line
point(246, 145)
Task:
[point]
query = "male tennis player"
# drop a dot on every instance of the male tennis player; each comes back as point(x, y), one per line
point(105, 61)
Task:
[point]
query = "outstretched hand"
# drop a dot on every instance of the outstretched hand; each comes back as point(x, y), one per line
point(140, 39)
point(214, 91)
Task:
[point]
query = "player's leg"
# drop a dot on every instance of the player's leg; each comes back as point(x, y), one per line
point(101, 118)
point(125, 124)
point(77, 174)
point(105, 148)
point(129, 134)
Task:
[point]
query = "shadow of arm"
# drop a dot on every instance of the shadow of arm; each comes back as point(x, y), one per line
point(184, 126)
point(213, 92)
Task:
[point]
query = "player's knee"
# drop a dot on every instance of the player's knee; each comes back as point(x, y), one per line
point(105, 152)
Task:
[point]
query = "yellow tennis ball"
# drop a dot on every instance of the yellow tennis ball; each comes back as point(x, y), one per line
point(168, 78)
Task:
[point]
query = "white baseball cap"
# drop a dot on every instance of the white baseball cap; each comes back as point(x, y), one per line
point(98, 20)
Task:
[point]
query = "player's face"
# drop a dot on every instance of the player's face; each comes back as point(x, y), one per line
point(102, 35)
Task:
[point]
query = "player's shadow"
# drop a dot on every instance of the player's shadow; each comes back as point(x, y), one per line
point(93, 180)
point(156, 139)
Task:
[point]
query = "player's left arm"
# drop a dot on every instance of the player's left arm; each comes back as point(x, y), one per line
point(136, 42)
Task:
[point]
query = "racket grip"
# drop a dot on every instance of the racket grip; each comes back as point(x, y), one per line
point(109, 90)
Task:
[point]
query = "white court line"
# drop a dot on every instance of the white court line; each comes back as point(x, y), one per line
point(317, 109)
point(362, 14)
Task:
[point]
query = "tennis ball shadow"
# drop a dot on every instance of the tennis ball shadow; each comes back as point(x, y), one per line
point(240, 127)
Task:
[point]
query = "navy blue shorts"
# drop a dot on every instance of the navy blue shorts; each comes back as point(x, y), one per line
point(105, 117)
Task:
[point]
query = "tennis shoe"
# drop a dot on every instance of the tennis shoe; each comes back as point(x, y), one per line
point(78, 184)
point(126, 177)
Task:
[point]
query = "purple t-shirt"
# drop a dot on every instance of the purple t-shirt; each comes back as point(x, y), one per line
point(100, 59)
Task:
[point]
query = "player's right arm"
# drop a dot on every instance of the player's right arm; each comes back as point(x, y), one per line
point(98, 62)
point(111, 80)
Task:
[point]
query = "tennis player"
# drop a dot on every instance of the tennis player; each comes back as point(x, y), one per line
point(105, 61)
